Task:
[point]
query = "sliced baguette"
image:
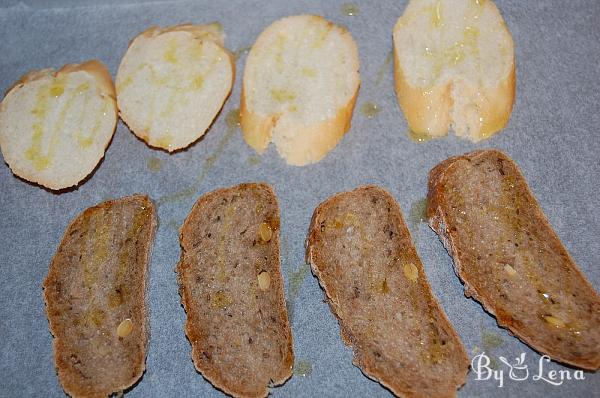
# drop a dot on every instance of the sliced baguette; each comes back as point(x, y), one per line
point(56, 125)
point(172, 83)
point(300, 84)
point(510, 258)
point(361, 251)
point(95, 295)
point(232, 290)
point(454, 66)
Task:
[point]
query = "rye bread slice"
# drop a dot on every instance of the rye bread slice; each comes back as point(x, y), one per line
point(362, 252)
point(510, 259)
point(232, 290)
point(95, 295)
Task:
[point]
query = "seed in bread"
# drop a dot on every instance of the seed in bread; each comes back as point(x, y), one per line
point(172, 83)
point(454, 66)
point(232, 290)
point(300, 84)
point(95, 295)
point(510, 258)
point(362, 252)
point(56, 125)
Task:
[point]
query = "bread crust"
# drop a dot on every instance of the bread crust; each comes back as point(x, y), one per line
point(428, 110)
point(298, 144)
point(71, 379)
point(436, 208)
point(211, 32)
point(197, 340)
point(105, 89)
point(360, 359)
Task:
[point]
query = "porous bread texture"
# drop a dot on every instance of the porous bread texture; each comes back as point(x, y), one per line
point(454, 67)
point(300, 85)
point(232, 290)
point(56, 125)
point(97, 282)
point(362, 252)
point(510, 259)
point(172, 83)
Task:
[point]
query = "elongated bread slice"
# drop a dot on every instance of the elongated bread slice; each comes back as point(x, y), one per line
point(300, 84)
point(510, 258)
point(95, 295)
point(454, 66)
point(361, 251)
point(172, 83)
point(56, 125)
point(232, 290)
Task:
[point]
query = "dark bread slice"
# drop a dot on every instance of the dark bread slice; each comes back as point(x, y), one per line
point(96, 281)
point(362, 252)
point(232, 290)
point(510, 258)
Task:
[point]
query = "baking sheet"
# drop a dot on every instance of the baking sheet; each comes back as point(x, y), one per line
point(552, 134)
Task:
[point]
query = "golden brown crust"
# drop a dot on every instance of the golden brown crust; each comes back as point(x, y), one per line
point(94, 67)
point(436, 205)
point(303, 144)
point(69, 376)
point(212, 32)
point(398, 386)
point(428, 110)
point(197, 340)
point(105, 89)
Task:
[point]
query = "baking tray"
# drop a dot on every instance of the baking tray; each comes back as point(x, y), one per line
point(552, 134)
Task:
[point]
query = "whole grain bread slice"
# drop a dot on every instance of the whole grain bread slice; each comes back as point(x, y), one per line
point(232, 290)
point(361, 251)
point(95, 295)
point(510, 259)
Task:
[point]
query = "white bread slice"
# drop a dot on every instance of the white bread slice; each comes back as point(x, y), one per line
point(56, 125)
point(172, 83)
point(300, 84)
point(454, 65)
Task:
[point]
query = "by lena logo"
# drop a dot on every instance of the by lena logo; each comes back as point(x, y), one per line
point(519, 371)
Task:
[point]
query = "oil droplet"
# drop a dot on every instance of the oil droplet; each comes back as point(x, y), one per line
point(233, 121)
point(303, 368)
point(350, 9)
point(253, 160)
point(418, 213)
point(419, 137)
point(296, 278)
point(370, 109)
point(237, 54)
point(173, 224)
point(494, 365)
point(385, 67)
point(490, 340)
point(154, 164)
point(233, 118)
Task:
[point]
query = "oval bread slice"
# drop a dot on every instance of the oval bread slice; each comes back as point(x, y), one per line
point(56, 125)
point(510, 258)
point(454, 66)
point(172, 83)
point(361, 251)
point(232, 290)
point(300, 84)
point(95, 295)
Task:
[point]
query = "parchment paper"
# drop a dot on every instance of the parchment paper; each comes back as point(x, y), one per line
point(552, 134)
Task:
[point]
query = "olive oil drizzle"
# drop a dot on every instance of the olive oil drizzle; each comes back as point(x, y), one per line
point(45, 97)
